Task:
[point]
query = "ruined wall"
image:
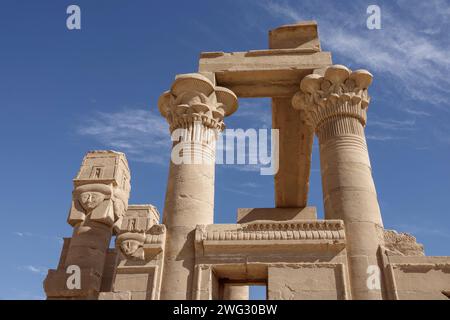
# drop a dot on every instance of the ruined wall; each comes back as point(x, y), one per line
point(418, 277)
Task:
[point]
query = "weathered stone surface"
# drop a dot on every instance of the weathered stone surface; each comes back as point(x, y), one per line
point(246, 215)
point(402, 243)
point(424, 278)
point(124, 295)
point(307, 282)
point(55, 285)
point(302, 35)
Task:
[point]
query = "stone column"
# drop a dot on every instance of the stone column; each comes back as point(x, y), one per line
point(336, 107)
point(99, 199)
point(235, 292)
point(194, 108)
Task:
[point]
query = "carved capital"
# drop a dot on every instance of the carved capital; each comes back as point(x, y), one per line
point(101, 189)
point(193, 98)
point(138, 233)
point(339, 93)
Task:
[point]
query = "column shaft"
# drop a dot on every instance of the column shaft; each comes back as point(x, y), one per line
point(349, 194)
point(235, 292)
point(189, 202)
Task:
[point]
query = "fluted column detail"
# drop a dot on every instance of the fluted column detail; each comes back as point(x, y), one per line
point(194, 108)
point(336, 109)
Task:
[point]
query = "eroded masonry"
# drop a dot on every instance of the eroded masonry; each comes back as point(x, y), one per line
point(348, 255)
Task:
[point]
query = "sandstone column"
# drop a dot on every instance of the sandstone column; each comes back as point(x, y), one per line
point(336, 107)
point(235, 292)
point(99, 199)
point(194, 109)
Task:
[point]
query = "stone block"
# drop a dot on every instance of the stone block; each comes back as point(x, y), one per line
point(246, 215)
point(104, 167)
point(55, 284)
point(123, 295)
point(306, 282)
point(300, 35)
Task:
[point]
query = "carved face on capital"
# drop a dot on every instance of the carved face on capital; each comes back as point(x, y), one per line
point(129, 247)
point(90, 200)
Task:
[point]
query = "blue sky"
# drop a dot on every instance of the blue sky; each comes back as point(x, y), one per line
point(64, 92)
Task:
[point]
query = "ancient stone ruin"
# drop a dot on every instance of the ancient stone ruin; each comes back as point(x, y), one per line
point(348, 255)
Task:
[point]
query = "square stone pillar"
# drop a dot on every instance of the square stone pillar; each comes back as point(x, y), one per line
point(295, 138)
point(99, 200)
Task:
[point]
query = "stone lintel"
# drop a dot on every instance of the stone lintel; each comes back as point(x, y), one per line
point(294, 52)
point(266, 237)
point(301, 35)
point(271, 247)
point(246, 215)
point(263, 73)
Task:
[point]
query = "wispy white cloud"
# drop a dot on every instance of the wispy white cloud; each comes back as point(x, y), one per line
point(392, 124)
point(244, 167)
point(23, 234)
point(34, 269)
point(382, 137)
point(418, 113)
point(143, 135)
point(242, 192)
point(412, 46)
point(254, 113)
point(385, 130)
point(26, 234)
point(250, 185)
